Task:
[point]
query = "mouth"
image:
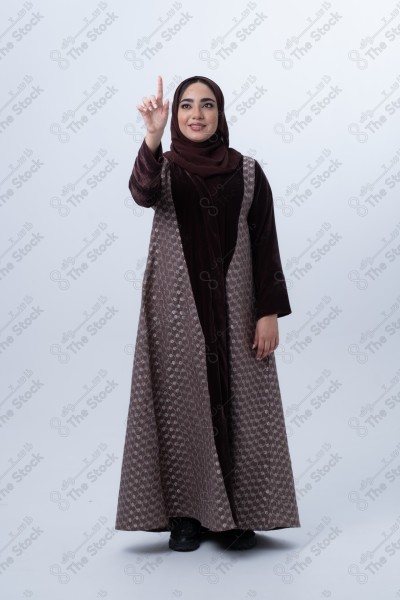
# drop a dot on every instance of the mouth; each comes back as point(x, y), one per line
point(196, 127)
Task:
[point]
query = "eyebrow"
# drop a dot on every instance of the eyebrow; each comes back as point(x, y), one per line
point(191, 100)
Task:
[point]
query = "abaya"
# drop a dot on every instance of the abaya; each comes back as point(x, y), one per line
point(207, 187)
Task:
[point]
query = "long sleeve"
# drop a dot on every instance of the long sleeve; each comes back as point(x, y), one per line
point(145, 180)
point(270, 286)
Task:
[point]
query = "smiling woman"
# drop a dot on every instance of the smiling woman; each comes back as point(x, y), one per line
point(198, 112)
point(205, 447)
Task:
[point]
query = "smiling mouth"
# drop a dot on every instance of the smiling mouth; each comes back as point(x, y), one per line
point(196, 127)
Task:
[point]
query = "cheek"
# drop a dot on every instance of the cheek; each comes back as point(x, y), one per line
point(180, 119)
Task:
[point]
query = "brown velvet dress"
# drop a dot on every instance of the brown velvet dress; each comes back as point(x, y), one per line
point(207, 213)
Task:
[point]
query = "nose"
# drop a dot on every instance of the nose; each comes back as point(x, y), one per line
point(197, 112)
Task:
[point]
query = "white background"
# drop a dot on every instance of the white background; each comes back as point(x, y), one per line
point(312, 92)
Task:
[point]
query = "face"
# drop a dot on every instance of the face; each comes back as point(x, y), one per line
point(198, 112)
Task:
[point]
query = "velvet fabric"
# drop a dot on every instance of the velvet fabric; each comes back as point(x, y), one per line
point(177, 454)
point(207, 211)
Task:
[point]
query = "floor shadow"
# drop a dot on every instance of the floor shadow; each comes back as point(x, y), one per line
point(264, 542)
point(218, 539)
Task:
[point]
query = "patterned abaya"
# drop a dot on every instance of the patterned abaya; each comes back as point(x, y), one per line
point(205, 434)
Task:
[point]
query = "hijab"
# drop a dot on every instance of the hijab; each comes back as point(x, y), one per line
point(209, 157)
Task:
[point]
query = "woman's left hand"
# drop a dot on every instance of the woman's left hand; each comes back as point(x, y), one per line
point(266, 337)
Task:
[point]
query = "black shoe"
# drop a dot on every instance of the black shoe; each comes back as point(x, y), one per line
point(240, 539)
point(185, 534)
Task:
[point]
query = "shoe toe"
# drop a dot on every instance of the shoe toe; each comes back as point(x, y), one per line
point(185, 534)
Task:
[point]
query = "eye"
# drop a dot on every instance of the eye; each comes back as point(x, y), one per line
point(209, 104)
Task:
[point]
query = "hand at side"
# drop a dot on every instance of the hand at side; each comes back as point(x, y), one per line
point(266, 337)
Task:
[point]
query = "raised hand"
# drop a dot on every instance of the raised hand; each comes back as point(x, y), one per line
point(154, 112)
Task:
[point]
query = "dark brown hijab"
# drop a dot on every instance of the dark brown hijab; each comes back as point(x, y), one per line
point(210, 157)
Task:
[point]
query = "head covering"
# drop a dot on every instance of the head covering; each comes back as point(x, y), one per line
point(210, 157)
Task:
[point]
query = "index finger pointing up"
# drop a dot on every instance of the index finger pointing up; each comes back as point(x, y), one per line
point(160, 89)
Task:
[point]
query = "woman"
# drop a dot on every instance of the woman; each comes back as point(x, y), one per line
point(206, 447)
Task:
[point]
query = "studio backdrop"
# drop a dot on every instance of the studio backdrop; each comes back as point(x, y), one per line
point(312, 92)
